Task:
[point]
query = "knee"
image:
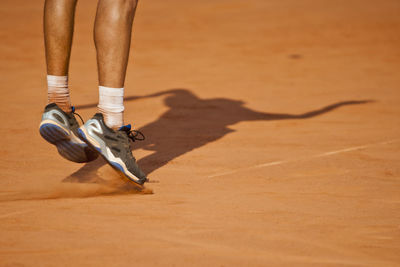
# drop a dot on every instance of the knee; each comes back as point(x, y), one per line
point(119, 9)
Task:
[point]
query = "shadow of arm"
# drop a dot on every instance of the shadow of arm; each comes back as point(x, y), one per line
point(310, 114)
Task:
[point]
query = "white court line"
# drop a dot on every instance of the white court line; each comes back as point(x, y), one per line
point(269, 164)
point(325, 154)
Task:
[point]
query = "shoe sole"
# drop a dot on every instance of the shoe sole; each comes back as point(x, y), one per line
point(60, 137)
point(116, 166)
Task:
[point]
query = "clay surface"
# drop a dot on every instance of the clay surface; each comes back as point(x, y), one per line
point(272, 138)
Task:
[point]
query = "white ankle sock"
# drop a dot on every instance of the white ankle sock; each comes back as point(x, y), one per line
point(111, 105)
point(58, 92)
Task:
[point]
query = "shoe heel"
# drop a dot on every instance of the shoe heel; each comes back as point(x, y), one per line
point(52, 133)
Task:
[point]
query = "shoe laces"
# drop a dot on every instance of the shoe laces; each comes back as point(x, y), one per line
point(134, 135)
point(73, 112)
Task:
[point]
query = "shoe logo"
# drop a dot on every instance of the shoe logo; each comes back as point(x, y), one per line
point(94, 126)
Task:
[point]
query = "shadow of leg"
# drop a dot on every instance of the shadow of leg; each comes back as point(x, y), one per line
point(157, 160)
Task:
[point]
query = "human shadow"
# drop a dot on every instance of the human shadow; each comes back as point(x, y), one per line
point(190, 123)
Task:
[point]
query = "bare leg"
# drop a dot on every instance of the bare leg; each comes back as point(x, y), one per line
point(58, 26)
point(112, 36)
point(58, 31)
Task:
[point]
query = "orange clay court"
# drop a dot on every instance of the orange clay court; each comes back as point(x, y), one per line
point(272, 138)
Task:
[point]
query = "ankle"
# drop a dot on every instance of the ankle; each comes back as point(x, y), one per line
point(111, 105)
point(58, 92)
